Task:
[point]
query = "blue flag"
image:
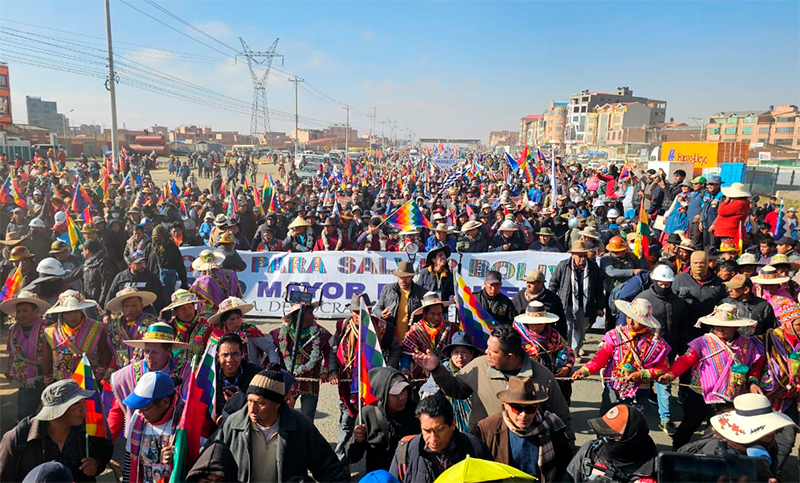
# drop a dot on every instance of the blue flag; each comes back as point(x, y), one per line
point(511, 162)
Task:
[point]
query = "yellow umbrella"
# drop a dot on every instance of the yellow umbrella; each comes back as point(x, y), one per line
point(475, 470)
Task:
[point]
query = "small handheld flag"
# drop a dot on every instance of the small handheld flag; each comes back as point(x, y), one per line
point(12, 286)
point(95, 423)
point(473, 318)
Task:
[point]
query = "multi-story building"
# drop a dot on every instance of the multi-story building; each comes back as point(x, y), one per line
point(554, 121)
point(580, 105)
point(340, 131)
point(779, 126)
point(45, 114)
point(5, 98)
point(529, 129)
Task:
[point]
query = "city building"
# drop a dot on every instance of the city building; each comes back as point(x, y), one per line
point(339, 131)
point(778, 125)
point(553, 124)
point(5, 98)
point(529, 128)
point(503, 138)
point(582, 104)
point(45, 114)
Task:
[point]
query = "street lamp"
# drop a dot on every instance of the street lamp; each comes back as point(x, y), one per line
point(64, 122)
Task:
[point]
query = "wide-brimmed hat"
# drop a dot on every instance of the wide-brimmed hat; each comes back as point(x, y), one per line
point(522, 390)
point(151, 386)
point(299, 222)
point(70, 301)
point(545, 231)
point(432, 254)
point(355, 302)
point(430, 299)
point(736, 190)
point(470, 225)
point(536, 313)
point(781, 259)
point(590, 232)
point(157, 333)
point(404, 269)
point(115, 304)
point(441, 227)
point(748, 259)
point(508, 225)
point(687, 245)
point(769, 276)
point(207, 260)
point(13, 238)
point(329, 221)
point(461, 339)
point(580, 247)
point(751, 419)
point(9, 307)
point(412, 231)
point(726, 315)
point(184, 297)
point(227, 305)
point(60, 396)
point(639, 310)
point(221, 220)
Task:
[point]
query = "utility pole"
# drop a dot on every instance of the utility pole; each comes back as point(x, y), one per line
point(371, 121)
point(702, 126)
point(347, 134)
point(296, 81)
point(111, 85)
point(383, 138)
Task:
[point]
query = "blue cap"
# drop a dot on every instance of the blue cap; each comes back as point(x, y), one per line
point(714, 179)
point(49, 472)
point(379, 476)
point(145, 221)
point(151, 386)
point(136, 256)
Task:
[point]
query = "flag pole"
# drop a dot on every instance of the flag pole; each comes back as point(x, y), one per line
point(360, 362)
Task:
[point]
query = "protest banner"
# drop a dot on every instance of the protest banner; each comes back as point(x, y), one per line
point(445, 159)
point(339, 275)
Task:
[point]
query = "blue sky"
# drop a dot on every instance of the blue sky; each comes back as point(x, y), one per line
point(455, 69)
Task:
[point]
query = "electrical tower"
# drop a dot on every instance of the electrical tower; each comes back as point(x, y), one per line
point(259, 118)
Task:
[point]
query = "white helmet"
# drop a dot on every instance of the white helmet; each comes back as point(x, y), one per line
point(60, 217)
point(51, 267)
point(612, 213)
point(662, 273)
point(36, 223)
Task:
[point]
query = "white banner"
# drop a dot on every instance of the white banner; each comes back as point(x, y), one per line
point(339, 275)
point(446, 159)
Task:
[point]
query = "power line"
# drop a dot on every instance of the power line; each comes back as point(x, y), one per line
point(179, 19)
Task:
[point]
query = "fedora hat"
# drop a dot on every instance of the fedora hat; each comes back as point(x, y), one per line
point(183, 297)
point(9, 307)
point(60, 396)
point(441, 227)
point(470, 225)
point(726, 315)
point(736, 190)
point(535, 313)
point(115, 304)
point(590, 232)
point(299, 222)
point(13, 238)
point(781, 259)
point(412, 231)
point(522, 390)
point(432, 254)
point(639, 310)
point(207, 260)
point(330, 221)
point(508, 225)
point(228, 305)
point(70, 301)
point(220, 220)
point(545, 231)
point(769, 276)
point(404, 269)
point(428, 300)
point(355, 302)
point(461, 339)
point(580, 247)
point(157, 333)
point(751, 419)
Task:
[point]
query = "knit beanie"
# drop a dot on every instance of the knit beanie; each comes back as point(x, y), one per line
point(268, 384)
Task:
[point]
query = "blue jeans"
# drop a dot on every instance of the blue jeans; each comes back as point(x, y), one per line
point(308, 405)
point(663, 392)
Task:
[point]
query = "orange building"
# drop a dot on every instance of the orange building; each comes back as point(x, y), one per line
point(5, 98)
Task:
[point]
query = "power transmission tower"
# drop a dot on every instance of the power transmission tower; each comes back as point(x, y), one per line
point(255, 59)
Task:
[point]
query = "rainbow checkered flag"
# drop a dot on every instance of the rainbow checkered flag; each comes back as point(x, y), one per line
point(95, 422)
point(408, 217)
point(473, 318)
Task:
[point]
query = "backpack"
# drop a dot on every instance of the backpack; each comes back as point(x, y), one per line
point(402, 451)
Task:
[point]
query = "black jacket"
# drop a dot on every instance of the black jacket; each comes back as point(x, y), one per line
point(445, 286)
point(113, 243)
point(216, 459)
point(700, 299)
point(478, 245)
point(143, 281)
point(561, 284)
point(419, 467)
point(390, 297)
point(97, 274)
point(233, 261)
point(516, 242)
point(670, 311)
point(551, 303)
point(499, 307)
point(171, 259)
point(384, 431)
point(248, 370)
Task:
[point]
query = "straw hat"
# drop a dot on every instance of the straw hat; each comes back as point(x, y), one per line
point(428, 300)
point(736, 190)
point(115, 304)
point(70, 301)
point(522, 390)
point(726, 315)
point(184, 297)
point(441, 227)
point(299, 222)
point(220, 220)
point(639, 310)
point(295, 307)
point(157, 333)
point(769, 276)
point(536, 313)
point(13, 238)
point(751, 419)
point(781, 259)
point(9, 307)
point(748, 259)
point(227, 305)
point(470, 225)
point(404, 269)
point(508, 225)
point(208, 260)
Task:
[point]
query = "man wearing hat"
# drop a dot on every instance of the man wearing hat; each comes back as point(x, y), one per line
point(400, 299)
point(431, 333)
point(496, 303)
point(436, 275)
point(73, 336)
point(241, 240)
point(151, 437)
point(440, 238)
point(156, 345)
point(56, 433)
point(344, 344)
point(220, 227)
point(128, 320)
point(546, 241)
point(619, 265)
point(579, 285)
point(190, 327)
point(214, 284)
point(300, 237)
point(20, 257)
point(472, 240)
point(708, 213)
point(272, 442)
point(60, 250)
point(535, 290)
point(137, 276)
point(507, 239)
point(26, 346)
point(374, 239)
point(332, 238)
point(524, 436)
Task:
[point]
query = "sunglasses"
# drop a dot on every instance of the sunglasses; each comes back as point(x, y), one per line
point(519, 408)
